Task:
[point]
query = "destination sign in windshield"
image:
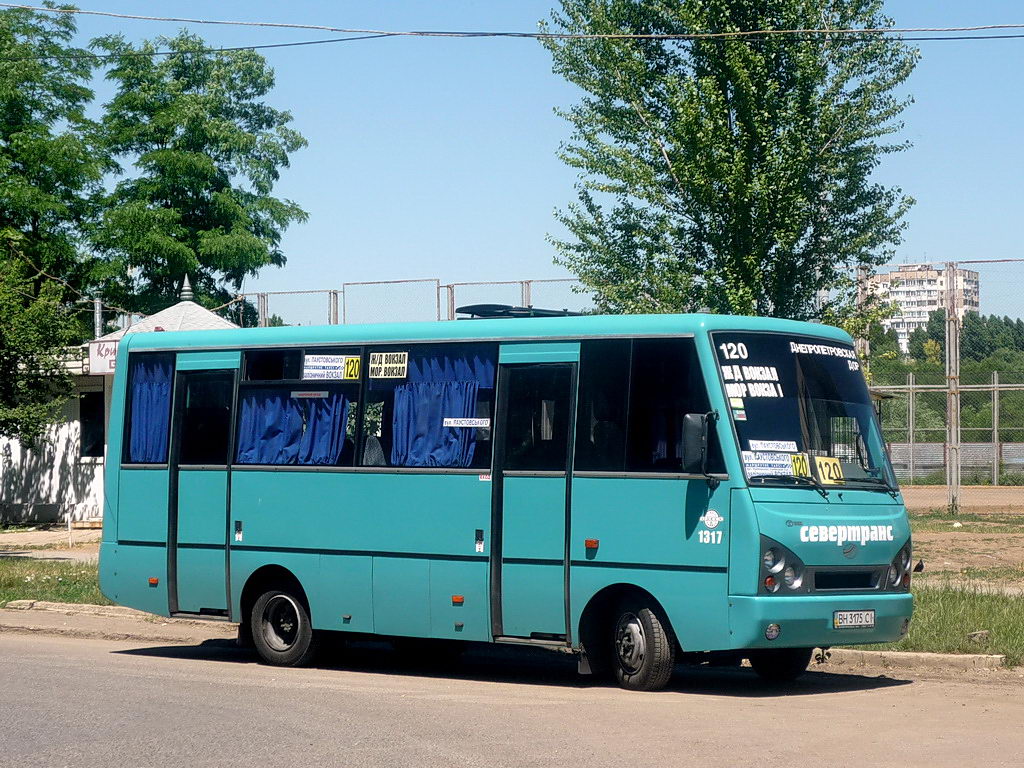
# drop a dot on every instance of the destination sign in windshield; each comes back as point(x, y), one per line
point(801, 410)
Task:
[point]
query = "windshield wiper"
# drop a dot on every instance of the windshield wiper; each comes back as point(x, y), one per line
point(813, 481)
point(877, 481)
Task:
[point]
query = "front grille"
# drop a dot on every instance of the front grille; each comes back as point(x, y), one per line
point(845, 580)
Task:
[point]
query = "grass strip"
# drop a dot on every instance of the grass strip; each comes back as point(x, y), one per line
point(945, 614)
point(941, 521)
point(56, 581)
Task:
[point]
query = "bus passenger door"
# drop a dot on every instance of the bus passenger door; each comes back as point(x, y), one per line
point(535, 416)
point(200, 448)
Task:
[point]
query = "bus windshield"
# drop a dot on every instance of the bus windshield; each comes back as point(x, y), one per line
point(801, 411)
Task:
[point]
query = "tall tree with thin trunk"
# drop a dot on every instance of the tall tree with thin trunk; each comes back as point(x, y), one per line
point(206, 151)
point(51, 167)
point(733, 174)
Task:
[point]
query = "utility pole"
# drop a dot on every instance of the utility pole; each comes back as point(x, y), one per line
point(861, 345)
point(952, 391)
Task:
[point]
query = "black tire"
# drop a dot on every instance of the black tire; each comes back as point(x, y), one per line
point(281, 630)
point(643, 648)
point(780, 665)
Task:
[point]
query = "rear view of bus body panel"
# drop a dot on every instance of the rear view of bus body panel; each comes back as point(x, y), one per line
point(139, 555)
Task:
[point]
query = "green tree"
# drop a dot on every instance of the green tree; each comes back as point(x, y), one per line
point(882, 344)
point(730, 173)
point(35, 331)
point(50, 175)
point(934, 331)
point(207, 151)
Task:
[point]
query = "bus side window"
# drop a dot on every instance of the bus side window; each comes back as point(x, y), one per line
point(603, 405)
point(429, 405)
point(633, 396)
point(148, 415)
point(273, 364)
point(206, 419)
point(292, 413)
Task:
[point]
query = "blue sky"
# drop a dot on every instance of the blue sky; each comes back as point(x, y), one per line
point(438, 158)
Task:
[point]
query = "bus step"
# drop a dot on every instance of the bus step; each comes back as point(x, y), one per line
point(556, 645)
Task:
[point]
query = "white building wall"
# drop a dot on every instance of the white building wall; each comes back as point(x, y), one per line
point(52, 482)
point(919, 290)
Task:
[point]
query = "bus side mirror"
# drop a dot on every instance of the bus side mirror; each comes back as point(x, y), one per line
point(695, 443)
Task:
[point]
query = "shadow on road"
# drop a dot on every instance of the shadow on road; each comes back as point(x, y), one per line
point(528, 666)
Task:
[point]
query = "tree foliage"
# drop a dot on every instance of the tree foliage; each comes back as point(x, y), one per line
point(206, 152)
point(51, 167)
point(730, 174)
point(35, 330)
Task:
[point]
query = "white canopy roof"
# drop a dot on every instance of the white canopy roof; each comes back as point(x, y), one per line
point(183, 316)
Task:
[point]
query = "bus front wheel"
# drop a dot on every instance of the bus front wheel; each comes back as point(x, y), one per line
point(281, 629)
point(643, 649)
point(780, 665)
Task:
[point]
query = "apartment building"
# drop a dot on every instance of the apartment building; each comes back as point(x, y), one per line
point(920, 289)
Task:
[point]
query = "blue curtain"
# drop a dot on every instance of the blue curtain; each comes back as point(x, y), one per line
point(447, 362)
point(419, 437)
point(150, 409)
point(324, 435)
point(275, 428)
point(464, 362)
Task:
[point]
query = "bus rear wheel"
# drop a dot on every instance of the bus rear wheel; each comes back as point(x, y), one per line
point(281, 629)
point(780, 665)
point(642, 648)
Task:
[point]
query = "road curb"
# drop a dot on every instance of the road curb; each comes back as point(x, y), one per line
point(90, 634)
point(112, 611)
point(912, 660)
point(837, 657)
point(80, 609)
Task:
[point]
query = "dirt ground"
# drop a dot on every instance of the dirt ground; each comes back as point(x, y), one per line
point(51, 544)
point(956, 551)
point(975, 499)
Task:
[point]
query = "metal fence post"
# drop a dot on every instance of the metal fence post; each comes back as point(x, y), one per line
point(996, 450)
point(911, 426)
point(262, 309)
point(527, 291)
point(952, 392)
point(332, 308)
point(451, 301)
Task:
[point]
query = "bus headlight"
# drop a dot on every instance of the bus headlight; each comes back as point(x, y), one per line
point(781, 570)
point(773, 560)
point(792, 577)
point(899, 569)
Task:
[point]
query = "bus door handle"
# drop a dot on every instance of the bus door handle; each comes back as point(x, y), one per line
point(238, 530)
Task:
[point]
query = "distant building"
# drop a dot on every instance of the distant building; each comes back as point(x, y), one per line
point(919, 290)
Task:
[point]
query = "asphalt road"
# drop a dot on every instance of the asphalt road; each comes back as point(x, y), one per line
point(67, 702)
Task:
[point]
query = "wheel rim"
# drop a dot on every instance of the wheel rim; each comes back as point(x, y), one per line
point(630, 643)
point(280, 622)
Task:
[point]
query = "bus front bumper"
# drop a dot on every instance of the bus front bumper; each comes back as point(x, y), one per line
point(808, 621)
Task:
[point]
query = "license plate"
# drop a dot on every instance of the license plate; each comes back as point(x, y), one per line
point(853, 619)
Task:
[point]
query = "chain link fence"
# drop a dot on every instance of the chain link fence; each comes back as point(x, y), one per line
point(395, 301)
point(949, 374)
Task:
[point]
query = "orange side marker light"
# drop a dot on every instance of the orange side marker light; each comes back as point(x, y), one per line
point(458, 599)
point(591, 543)
point(153, 581)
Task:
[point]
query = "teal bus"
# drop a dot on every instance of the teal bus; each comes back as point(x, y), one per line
point(634, 490)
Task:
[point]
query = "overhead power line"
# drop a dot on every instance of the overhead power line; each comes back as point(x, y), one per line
point(133, 54)
point(878, 31)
